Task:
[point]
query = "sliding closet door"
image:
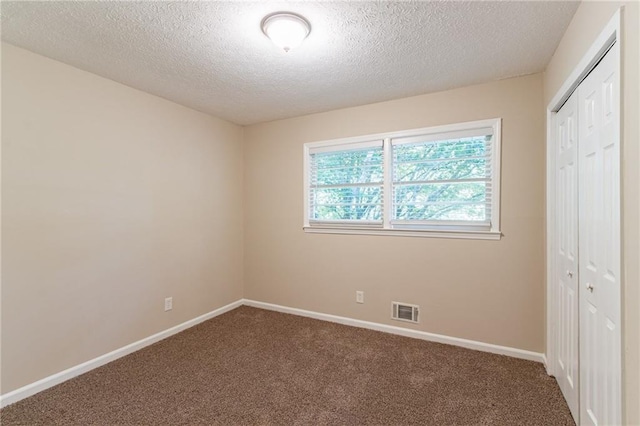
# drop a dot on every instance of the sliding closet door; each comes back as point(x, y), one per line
point(599, 247)
point(566, 258)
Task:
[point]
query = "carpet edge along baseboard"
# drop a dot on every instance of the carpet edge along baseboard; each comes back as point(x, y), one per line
point(57, 378)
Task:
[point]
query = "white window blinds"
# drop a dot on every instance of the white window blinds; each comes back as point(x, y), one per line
point(346, 184)
point(444, 179)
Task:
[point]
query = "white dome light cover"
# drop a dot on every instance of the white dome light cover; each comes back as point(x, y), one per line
point(286, 30)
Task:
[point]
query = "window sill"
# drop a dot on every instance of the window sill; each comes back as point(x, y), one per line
point(469, 235)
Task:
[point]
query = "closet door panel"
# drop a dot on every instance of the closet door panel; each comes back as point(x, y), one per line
point(566, 258)
point(599, 246)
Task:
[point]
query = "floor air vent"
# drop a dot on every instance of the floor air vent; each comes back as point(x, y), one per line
point(404, 312)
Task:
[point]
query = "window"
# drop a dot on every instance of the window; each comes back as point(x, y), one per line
point(441, 181)
point(346, 184)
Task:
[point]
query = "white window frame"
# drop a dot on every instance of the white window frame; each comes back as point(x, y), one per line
point(437, 231)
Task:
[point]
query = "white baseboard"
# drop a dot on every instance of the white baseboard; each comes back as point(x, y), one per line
point(416, 334)
point(47, 382)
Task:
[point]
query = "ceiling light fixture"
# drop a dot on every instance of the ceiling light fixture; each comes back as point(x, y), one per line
point(285, 29)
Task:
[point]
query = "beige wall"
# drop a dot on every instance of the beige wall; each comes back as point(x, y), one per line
point(491, 291)
point(589, 20)
point(112, 200)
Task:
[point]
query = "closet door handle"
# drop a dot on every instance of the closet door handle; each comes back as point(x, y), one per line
point(570, 274)
point(590, 287)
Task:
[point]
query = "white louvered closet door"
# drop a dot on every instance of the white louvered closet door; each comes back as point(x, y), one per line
point(600, 245)
point(566, 255)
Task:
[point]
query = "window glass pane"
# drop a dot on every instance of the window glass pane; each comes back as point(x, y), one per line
point(453, 212)
point(428, 170)
point(464, 201)
point(361, 166)
point(349, 174)
point(347, 203)
point(347, 185)
point(455, 148)
point(451, 180)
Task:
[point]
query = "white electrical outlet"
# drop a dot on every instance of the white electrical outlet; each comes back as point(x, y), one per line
point(168, 304)
point(360, 296)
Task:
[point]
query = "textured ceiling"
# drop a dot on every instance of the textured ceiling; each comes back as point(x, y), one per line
point(213, 57)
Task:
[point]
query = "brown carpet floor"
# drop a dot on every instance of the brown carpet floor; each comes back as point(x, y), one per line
point(251, 366)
